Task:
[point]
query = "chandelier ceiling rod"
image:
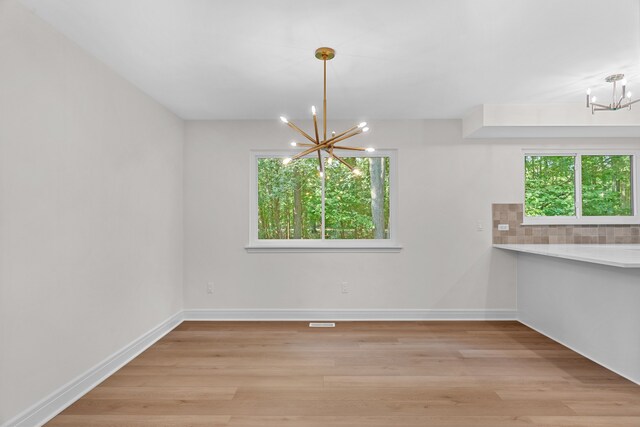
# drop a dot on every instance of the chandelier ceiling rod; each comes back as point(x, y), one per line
point(324, 96)
point(326, 144)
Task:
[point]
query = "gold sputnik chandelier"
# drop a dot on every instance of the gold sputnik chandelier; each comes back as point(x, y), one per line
point(325, 144)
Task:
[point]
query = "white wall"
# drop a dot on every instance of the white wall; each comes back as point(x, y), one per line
point(446, 185)
point(588, 307)
point(90, 211)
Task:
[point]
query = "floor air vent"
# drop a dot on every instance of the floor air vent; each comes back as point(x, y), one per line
point(322, 325)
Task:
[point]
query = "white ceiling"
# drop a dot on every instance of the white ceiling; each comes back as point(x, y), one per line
point(253, 59)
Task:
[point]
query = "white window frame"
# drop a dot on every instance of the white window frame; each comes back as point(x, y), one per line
point(322, 245)
point(579, 219)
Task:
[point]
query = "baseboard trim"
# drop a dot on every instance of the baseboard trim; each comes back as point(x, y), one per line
point(56, 402)
point(581, 353)
point(344, 315)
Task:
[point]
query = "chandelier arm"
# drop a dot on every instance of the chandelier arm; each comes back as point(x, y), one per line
point(305, 152)
point(632, 102)
point(336, 140)
point(315, 128)
point(303, 133)
point(341, 161)
point(333, 137)
point(349, 148)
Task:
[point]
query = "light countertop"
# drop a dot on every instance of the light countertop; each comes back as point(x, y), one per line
point(625, 256)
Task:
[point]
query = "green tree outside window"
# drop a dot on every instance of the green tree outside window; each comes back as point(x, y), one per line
point(290, 199)
point(606, 185)
point(549, 186)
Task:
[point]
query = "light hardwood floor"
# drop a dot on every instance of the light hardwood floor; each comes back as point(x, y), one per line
point(373, 374)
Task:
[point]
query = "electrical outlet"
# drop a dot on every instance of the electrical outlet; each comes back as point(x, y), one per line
point(210, 287)
point(503, 227)
point(344, 287)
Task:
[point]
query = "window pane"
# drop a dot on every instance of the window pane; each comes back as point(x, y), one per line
point(606, 186)
point(357, 206)
point(549, 186)
point(289, 199)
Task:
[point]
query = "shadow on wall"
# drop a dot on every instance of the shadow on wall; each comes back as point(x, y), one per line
point(497, 271)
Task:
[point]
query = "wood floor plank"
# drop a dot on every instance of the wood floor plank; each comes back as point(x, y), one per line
point(604, 407)
point(172, 393)
point(573, 393)
point(190, 362)
point(487, 381)
point(377, 421)
point(163, 380)
point(140, 421)
point(582, 421)
point(516, 354)
point(456, 395)
point(373, 374)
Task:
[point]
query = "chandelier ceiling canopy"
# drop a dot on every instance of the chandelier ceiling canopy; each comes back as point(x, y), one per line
point(328, 145)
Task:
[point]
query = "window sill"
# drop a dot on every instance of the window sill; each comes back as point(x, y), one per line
point(328, 247)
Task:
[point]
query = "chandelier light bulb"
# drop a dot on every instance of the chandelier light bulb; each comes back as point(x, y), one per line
point(286, 161)
point(313, 110)
point(365, 129)
point(284, 119)
point(330, 160)
point(357, 172)
point(589, 91)
point(593, 99)
point(321, 174)
point(629, 95)
point(361, 125)
point(370, 150)
point(294, 144)
point(623, 82)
